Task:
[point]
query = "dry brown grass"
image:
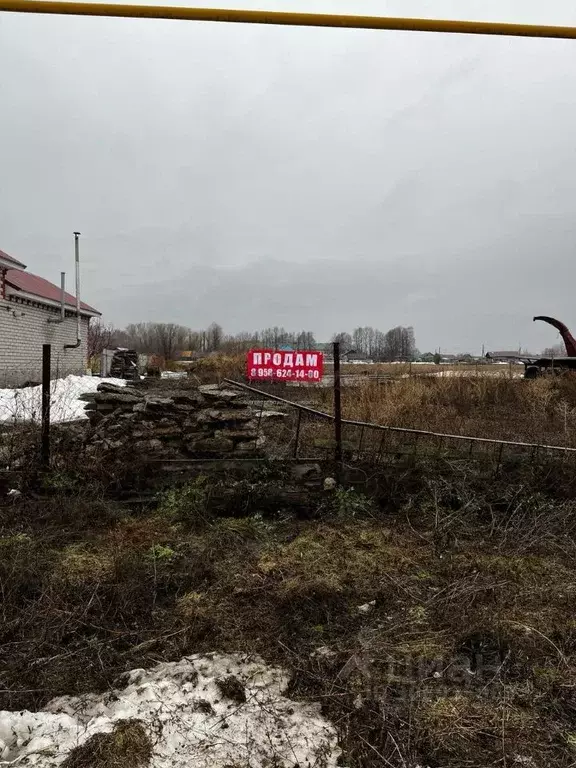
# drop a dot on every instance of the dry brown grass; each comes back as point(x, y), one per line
point(463, 653)
point(211, 369)
point(476, 400)
point(463, 723)
point(539, 411)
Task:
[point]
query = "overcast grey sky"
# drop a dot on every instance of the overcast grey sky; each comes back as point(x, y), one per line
point(311, 178)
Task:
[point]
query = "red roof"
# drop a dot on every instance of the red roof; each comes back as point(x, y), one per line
point(37, 286)
point(5, 257)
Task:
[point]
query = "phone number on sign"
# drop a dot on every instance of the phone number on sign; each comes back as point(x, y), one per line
point(282, 373)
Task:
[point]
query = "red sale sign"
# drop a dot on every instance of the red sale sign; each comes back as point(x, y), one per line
point(282, 365)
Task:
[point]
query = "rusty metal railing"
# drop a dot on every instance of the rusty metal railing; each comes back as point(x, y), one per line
point(411, 441)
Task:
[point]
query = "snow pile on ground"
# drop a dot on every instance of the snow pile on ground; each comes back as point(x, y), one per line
point(25, 404)
point(203, 711)
point(173, 375)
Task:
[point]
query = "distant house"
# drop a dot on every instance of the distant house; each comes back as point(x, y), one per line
point(356, 357)
point(30, 316)
point(507, 355)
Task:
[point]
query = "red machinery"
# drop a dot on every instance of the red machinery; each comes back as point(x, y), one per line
point(554, 365)
point(538, 366)
point(567, 338)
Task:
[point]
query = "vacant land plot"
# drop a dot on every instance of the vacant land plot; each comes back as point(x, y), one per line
point(541, 411)
point(427, 613)
point(478, 400)
point(536, 411)
point(430, 619)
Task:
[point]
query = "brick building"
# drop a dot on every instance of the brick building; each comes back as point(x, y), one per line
point(30, 316)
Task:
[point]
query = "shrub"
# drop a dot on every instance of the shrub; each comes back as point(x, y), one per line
point(186, 503)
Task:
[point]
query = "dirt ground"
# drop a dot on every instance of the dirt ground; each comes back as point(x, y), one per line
point(430, 616)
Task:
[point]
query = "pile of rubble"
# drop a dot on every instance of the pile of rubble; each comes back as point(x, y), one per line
point(191, 423)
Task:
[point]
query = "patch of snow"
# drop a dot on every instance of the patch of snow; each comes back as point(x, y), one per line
point(25, 404)
point(173, 375)
point(266, 414)
point(524, 760)
point(474, 374)
point(324, 652)
point(188, 719)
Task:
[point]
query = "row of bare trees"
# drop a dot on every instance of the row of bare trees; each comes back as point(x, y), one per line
point(558, 350)
point(396, 344)
point(169, 340)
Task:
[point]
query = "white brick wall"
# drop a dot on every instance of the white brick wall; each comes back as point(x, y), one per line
point(24, 328)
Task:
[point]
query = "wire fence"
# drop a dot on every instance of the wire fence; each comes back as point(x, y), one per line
point(287, 429)
point(294, 430)
point(20, 416)
point(37, 397)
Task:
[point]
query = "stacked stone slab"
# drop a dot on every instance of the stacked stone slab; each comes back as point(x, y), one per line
point(194, 423)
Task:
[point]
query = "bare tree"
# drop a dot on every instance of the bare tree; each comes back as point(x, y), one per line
point(100, 337)
point(305, 340)
point(557, 350)
point(141, 337)
point(364, 340)
point(194, 341)
point(358, 339)
point(214, 336)
point(274, 337)
point(170, 339)
point(399, 344)
point(163, 339)
point(344, 339)
point(240, 342)
point(379, 345)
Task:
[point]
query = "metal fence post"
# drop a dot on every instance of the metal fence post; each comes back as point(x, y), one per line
point(499, 459)
point(360, 441)
point(381, 446)
point(297, 436)
point(260, 419)
point(45, 432)
point(337, 413)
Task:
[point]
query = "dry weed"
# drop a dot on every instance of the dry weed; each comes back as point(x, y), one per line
point(435, 630)
point(127, 746)
point(540, 411)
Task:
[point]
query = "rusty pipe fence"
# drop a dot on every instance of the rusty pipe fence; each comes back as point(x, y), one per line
point(292, 430)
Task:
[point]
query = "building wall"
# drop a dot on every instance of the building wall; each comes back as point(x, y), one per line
point(24, 328)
